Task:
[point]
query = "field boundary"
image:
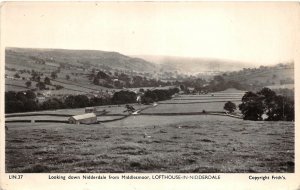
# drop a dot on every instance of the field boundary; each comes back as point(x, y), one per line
point(93, 89)
point(192, 113)
point(36, 121)
point(39, 114)
point(58, 115)
point(139, 112)
point(215, 98)
point(117, 119)
point(199, 102)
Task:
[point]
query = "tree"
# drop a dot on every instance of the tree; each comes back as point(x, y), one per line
point(146, 100)
point(275, 107)
point(34, 75)
point(96, 81)
point(281, 109)
point(28, 84)
point(102, 75)
point(268, 100)
point(219, 79)
point(41, 85)
point(58, 87)
point(78, 101)
point(229, 106)
point(182, 87)
point(21, 96)
point(47, 81)
point(53, 75)
point(30, 105)
point(70, 102)
point(52, 104)
point(118, 84)
point(137, 81)
point(81, 101)
point(158, 95)
point(123, 97)
point(95, 101)
point(251, 106)
point(38, 78)
point(67, 77)
point(14, 106)
point(17, 75)
point(10, 96)
point(30, 95)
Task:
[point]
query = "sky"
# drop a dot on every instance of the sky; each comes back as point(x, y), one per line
point(253, 32)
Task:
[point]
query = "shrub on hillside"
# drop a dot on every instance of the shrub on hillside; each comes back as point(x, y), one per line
point(230, 107)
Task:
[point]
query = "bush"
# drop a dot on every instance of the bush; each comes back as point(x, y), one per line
point(229, 106)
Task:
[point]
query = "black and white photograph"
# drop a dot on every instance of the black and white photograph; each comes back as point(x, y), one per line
point(149, 87)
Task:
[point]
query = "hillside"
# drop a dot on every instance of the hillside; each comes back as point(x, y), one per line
point(276, 76)
point(62, 72)
point(84, 71)
point(84, 59)
point(195, 65)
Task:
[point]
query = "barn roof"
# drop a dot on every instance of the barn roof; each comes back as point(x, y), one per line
point(84, 116)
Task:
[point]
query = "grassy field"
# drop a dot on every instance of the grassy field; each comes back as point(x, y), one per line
point(152, 144)
point(196, 103)
point(111, 109)
point(143, 143)
point(184, 108)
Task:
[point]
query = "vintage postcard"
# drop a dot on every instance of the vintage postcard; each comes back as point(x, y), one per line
point(149, 94)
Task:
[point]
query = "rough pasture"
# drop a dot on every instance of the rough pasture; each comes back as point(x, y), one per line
point(152, 144)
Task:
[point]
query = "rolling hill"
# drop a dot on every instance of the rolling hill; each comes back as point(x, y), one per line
point(195, 65)
point(280, 74)
point(35, 58)
point(76, 70)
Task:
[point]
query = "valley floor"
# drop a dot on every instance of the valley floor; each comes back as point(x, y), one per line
point(149, 142)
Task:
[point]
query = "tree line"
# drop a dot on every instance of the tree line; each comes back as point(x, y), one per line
point(26, 101)
point(267, 105)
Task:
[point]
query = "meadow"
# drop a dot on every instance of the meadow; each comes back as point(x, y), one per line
point(150, 143)
point(187, 108)
point(189, 144)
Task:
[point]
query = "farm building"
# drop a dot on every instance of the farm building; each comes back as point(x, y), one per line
point(88, 118)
